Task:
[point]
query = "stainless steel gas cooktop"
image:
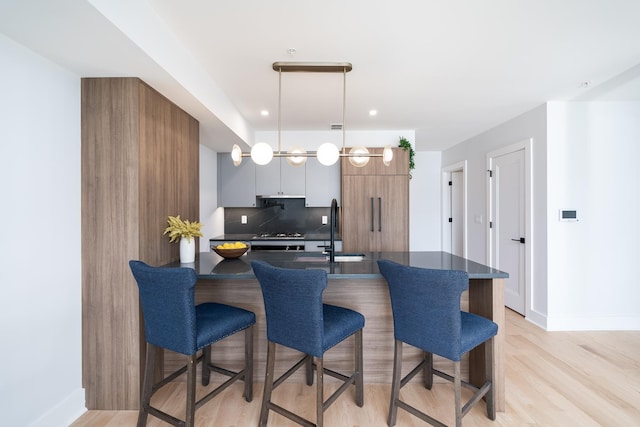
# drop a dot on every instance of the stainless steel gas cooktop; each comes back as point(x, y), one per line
point(279, 236)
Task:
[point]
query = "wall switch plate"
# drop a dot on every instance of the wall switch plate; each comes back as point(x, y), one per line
point(243, 219)
point(324, 219)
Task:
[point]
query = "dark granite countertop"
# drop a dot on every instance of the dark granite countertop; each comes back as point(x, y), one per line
point(233, 237)
point(209, 265)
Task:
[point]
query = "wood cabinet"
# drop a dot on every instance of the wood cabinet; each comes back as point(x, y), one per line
point(280, 178)
point(322, 183)
point(139, 165)
point(375, 204)
point(236, 184)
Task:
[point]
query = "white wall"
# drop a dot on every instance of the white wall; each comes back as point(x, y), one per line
point(474, 151)
point(40, 308)
point(211, 217)
point(593, 152)
point(585, 157)
point(425, 202)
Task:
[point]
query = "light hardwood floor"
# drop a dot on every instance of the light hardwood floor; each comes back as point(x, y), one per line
point(552, 379)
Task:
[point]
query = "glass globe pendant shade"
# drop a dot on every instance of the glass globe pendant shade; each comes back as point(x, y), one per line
point(296, 160)
point(359, 156)
point(261, 153)
point(387, 155)
point(328, 154)
point(236, 155)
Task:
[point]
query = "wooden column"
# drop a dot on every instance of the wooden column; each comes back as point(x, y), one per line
point(139, 165)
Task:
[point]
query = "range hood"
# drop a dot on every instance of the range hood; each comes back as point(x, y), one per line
point(280, 196)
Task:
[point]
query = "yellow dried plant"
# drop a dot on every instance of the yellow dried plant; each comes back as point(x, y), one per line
point(178, 228)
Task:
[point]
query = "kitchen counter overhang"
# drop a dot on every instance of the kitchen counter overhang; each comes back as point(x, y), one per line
point(209, 265)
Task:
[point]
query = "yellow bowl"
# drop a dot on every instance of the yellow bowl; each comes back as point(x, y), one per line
point(231, 253)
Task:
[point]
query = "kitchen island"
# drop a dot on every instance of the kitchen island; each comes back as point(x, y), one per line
point(359, 286)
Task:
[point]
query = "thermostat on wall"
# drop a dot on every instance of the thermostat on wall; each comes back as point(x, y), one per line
point(568, 215)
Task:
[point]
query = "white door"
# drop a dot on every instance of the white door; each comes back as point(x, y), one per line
point(509, 242)
point(457, 213)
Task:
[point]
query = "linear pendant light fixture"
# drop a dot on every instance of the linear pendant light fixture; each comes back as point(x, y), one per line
point(327, 153)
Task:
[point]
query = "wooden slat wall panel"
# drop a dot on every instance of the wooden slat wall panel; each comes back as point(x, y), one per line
point(109, 205)
point(129, 139)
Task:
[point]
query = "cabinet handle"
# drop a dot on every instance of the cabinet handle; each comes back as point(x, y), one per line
point(379, 213)
point(372, 214)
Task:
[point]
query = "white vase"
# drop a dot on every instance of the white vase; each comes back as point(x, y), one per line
point(187, 250)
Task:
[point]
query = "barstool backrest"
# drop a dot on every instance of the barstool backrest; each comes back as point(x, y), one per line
point(426, 306)
point(293, 306)
point(168, 306)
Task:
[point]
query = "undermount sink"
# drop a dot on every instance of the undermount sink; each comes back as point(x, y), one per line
point(340, 257)
point(349, 257)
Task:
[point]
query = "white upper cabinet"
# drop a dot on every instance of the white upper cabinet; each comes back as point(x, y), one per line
point(236, 185)
point(239, 186)
point(323, 183)
point(279, 178)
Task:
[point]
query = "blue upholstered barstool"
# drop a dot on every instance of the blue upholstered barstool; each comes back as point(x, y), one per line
point(427, 315)
point(173, 321)
point(297, 318)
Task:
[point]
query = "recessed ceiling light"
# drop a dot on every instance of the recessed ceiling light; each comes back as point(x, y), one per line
point(373, 113)
point(264, 113)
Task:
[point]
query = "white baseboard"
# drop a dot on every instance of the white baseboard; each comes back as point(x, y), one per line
point(65, 412)
point(537, 319)
point(602, 323)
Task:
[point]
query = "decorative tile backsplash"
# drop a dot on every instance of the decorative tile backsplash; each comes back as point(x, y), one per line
point(275, 216)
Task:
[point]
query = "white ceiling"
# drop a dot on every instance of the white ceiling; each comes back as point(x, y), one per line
point(448, 69)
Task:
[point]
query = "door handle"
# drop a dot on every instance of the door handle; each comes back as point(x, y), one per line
point(521, 240)
point(379, 213)
point(372, 215)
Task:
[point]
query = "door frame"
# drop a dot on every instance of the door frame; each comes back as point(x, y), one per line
point(446, 205)
point(525, 145)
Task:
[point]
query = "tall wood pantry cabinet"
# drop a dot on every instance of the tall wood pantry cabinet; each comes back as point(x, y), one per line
point(375, 204)
point(139, 165)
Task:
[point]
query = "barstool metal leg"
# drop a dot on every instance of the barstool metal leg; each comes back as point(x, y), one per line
point(319, 391)
point(428, 370)
point(359, 370)
point(248, 364)
point(147, 385)
point(457, 387)
point(309, 369)
point(395, 383)
point(206, 361)
point(268, 383)
point(191, 391)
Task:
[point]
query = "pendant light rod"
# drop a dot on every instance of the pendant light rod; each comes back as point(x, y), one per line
point(344, 107)
point(279, 109)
